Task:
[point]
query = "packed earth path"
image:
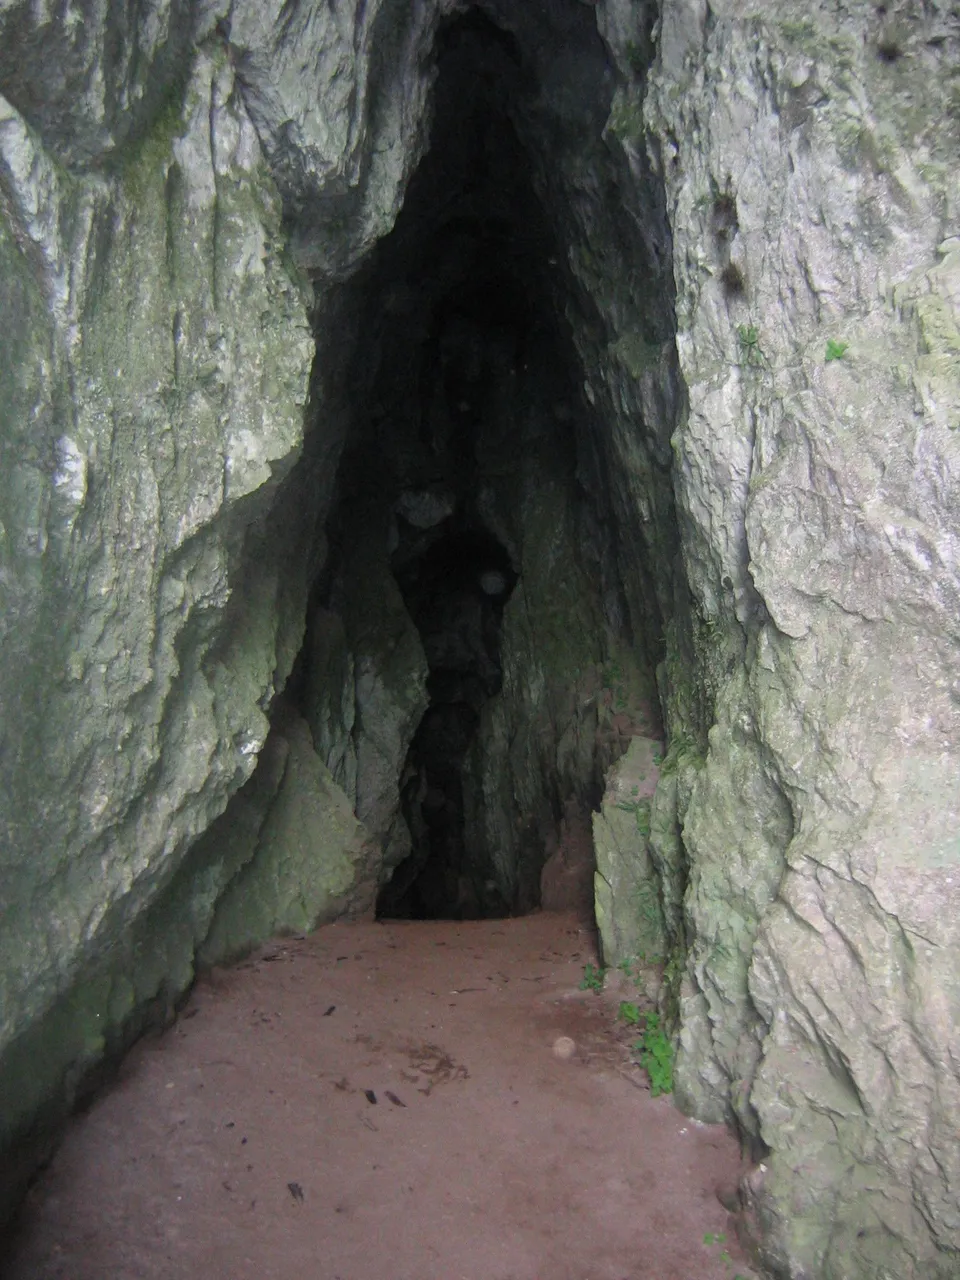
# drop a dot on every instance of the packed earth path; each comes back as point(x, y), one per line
point(389, 1101)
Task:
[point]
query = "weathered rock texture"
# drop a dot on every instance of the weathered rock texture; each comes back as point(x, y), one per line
point(153, 393)
point(628, 899)
point(161, 482)
point(809, 158)
point(738, 232)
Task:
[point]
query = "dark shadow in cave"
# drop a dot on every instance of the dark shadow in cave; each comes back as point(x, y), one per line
point(455, 584)
point(465, 397)
point(469, 340)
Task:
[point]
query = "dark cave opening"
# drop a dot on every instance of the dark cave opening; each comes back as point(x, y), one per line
point(465, 331)
point(467, 431)
point(455, 585)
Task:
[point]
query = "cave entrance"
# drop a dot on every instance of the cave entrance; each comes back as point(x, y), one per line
point(471, 608)
point(455, 583)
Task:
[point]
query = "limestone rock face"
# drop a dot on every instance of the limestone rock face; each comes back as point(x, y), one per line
point(809, 159)
point(628, 907)
point(337, 95)
point(89, 78)
point(564, 714)
point(312, 862)
point(156, 403)
point(154, 381)
point(367, 688)
point(750, 240)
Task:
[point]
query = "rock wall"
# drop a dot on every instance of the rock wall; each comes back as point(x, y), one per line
point(754, 214)
point(628, 898)
point(574, 689)
point(152, 406)
point(809, 157)
point(165, 461)
point(366, 682)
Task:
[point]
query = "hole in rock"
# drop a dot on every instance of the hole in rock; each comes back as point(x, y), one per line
point(473, 664)
point(455, 585)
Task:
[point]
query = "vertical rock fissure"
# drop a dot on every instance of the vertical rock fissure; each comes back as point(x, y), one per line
point(455, 586)
point(472, 458)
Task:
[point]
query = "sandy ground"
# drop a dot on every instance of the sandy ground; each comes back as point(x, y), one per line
point(384, 1102)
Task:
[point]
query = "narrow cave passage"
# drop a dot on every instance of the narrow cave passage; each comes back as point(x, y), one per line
point(455, 586)
point(457, 676)
point(348, 557)
point(479, 493)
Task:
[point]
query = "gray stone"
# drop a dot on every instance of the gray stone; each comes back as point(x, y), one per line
point(389, 680)
point(815, 495)
point(157, 386)
point(628, 909)
point(312, 862)
point(754, 212)
point(343, 149)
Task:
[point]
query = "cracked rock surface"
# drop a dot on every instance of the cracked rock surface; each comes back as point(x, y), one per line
point(752, 249)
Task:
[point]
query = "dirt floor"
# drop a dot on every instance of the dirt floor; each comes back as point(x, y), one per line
point(388, 1102)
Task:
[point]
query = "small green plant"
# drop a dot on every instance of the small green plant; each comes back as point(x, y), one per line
point(626, 118)
point(720, 953)
point(835, 350)
point(648, 906)
point(673, 969)
point(641, 812)
point(719, 1238)
point(656, 1056)
point(612, 676)
point(632, 966)
point(592, 979)
point(751, 353)
point(629, 1012)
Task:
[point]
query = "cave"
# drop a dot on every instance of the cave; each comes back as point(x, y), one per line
point(438, 438)
point(466, 404)
point(454, 588)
